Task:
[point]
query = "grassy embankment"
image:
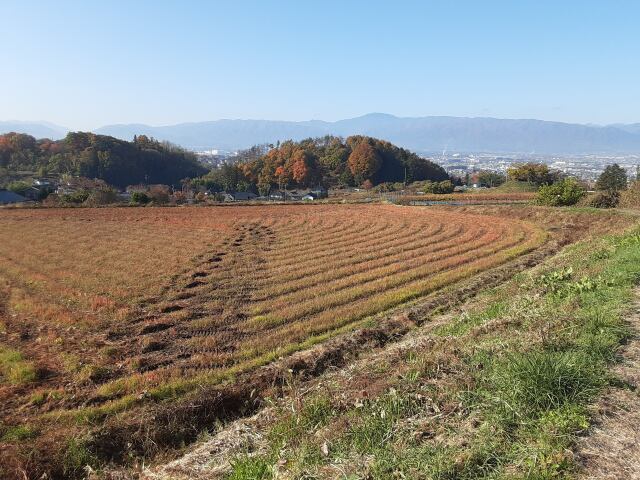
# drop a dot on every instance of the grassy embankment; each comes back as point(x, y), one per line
point(501, 391)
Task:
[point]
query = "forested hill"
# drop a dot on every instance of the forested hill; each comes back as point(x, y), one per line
point(327, 161)
point(115, 161)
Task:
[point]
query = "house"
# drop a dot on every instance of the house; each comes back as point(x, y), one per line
point(239, 196)
point(320, 192)
point(310, 197)
point(44, 183)
point(34, 193)
point(72, 185)
point(7, 197)
point(40, 188)
point(277, 195)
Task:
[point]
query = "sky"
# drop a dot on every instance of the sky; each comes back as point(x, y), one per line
point(85, 64)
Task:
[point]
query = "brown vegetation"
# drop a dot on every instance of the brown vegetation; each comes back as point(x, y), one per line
point(118, 310)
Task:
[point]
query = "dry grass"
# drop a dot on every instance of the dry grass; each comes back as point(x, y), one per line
point(117, 307)
point(479, 197)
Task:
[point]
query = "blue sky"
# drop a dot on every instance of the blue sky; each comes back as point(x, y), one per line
point(84, 64)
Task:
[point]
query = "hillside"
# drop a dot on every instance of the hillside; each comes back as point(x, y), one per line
point(327, 161)
point(117, 162)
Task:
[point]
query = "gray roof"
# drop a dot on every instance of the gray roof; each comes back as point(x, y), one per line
point(244, 195)
point(7, 196)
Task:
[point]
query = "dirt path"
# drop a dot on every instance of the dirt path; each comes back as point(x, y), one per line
point(612, 450)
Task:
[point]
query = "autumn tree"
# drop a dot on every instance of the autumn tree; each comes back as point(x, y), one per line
point(301, 167)
point(283, 176)
point(364, 162)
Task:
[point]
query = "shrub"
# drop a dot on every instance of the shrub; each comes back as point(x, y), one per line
point(78, 197)
point(367, 184)
point(630, 198)
point(18, 187)
point(104, 196)
point(159, 194)
point(439, 187)
point(606, 199)
point(140, 197)
point(562, 193)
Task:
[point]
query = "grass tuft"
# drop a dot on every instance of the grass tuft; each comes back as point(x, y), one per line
point(14, 369)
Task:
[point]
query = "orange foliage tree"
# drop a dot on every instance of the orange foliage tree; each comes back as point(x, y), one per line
point(301, 167)
point(364, 162)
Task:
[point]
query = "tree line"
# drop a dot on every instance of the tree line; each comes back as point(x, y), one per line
point(326, 161)
point(117, 162)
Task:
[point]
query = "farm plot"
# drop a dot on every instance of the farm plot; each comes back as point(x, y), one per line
point(107, 303)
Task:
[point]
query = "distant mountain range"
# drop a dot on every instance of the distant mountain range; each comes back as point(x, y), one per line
point(423, 134)
point(35, 129)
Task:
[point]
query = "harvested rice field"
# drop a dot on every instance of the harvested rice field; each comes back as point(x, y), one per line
point(108, 311)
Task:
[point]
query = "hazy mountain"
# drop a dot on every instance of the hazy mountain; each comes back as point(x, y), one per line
point(631, 128)
point(417, 133)
point(433, 134)
point(35, 129)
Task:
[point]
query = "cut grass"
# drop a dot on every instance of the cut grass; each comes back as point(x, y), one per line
point(528, 365)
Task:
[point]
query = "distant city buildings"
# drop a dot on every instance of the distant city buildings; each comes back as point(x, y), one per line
point(585, 167)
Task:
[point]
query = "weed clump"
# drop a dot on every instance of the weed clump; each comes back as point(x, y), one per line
point(528, 385)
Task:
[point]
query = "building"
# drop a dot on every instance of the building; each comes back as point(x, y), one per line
point(310, 197)
point(72, 185)
point(319, 192)
point(277, 195)
point(239, 196)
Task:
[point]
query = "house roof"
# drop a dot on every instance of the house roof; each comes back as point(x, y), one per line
point(244, 195)
point(7, 196)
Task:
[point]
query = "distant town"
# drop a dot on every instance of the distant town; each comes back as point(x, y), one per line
point(584, 167)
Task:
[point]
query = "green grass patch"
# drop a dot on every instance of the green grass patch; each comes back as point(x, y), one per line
point(17, 433)
point(14, 369)
point(524, 386)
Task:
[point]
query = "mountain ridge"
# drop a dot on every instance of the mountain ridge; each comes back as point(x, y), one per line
point(423, 134)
